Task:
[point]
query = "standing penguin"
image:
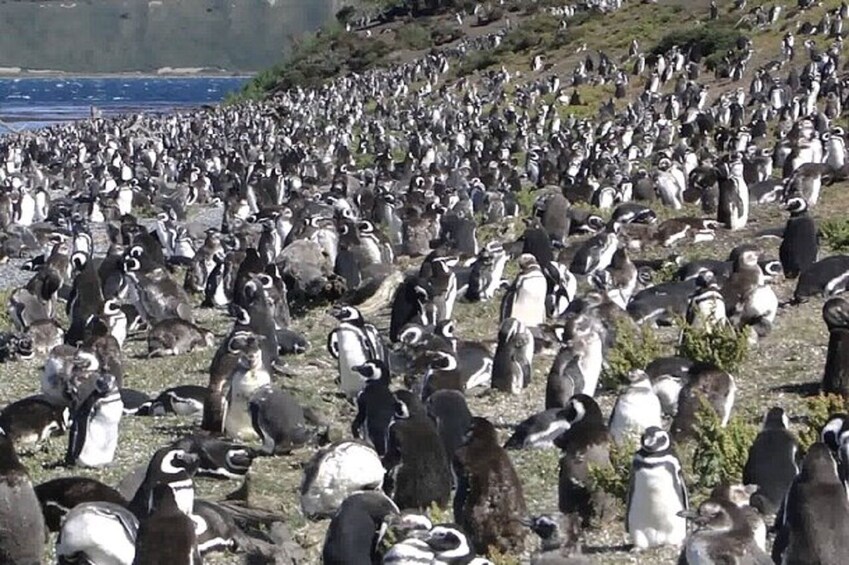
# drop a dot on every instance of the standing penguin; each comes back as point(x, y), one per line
point(489, 503)
point(525, 299)
point(94, 430)
point(637, 409)
point(771, 464)
point(722, 535)
point(511, 367)
point(22, 531)
point(657, 494)
point(733, 207)
point(355, 530)
point(799, 245)
point(278, 420)
point(375, 405)
point(352, 343)
point(167, 535)
point(418, 470)
point(815, 525)
point(169, 466)
point(835, 379)
point(247, 377)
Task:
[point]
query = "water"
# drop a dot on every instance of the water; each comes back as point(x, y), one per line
point(30, 103)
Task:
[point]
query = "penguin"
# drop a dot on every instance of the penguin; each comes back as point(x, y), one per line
point(597, 252)
point(558, 535)
point(441, 543)
point(657, 494)
point(356, 529)
point(771, 462)
point(352, 343)
point(58, 496)
point(94, 429)
point(799, 244)
point(827, 277)
point(525, 299)
point(218, 458)
point(749, 300)
point(375, 405)
point(637, 409)
point(418, 470)
point(733, 206)
point(450, 413)
point(182, 400)
point(619, 280)
point(169, 466)
point(176, 337)
point(835, 378)
point(512, 364)
point(410, 304)
point(445, 372)
point(166, 535)
point(485, 276)
point(33, 419)
point(22, 535)
point(539, 430)
point(278, 420)
point(722, 535)
point(706, 309)
point(98, 532)
point(490, 502)
point(814, 526)
point(247, 377)
point(706, 384)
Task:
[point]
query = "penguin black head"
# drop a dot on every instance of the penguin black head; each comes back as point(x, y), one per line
point(105, 384)
point(407, 405)
point(374, 370)
point(833, 430)
point(706, 279)
point(177, 461)
point(79, 260)
point(447, 541)
point(835, 312)
point(776, 419)
point(796, 205)
point(412, 334)
point(111, 307)
point(445, 328)
point(442, 360)
point(582, 408)
point(346, 313)
point(655, 440)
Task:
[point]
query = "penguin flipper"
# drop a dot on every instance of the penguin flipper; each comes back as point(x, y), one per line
point(333, 344)
point(628, 502)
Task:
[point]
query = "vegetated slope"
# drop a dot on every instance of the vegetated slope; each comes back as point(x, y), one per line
point(97, 36)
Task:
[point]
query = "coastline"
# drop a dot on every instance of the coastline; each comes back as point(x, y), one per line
point(165, 72)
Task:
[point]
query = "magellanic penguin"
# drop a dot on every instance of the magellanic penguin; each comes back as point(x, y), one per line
point(98, 532)
point(94, 429)
point(637, 409)
point(772, 462)
point(418, 469)
point(596, 253)
point(356, 529)
point(749, 300)
point(352, 343)
point(59, 496)
point(511, 367)
point(176, 337)
point(799, 244)
point(22, 535)
point(835, 378)
point(278, 420)
point(722, 535)
point(706, 309)
point(657, 493)
point(166, 535)
point(169, 466)
point(733, 206)
point(33, 419)
point(706, 385)
point(489, 503)
point(486, 272)
point(827, 277)
point(375, 405)
point(247, 377)
point(525, 299)
point(814, 523)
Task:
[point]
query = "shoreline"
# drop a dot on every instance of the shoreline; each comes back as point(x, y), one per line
point(16, 73)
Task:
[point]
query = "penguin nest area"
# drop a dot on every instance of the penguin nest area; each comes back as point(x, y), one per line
point(585, 164)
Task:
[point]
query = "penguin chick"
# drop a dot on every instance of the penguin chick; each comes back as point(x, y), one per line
point(771, 463)
point(721, 536)
point(175, 336)
point(278, 420)
point(637, 408)
point(355, 530)
point(489, 503)
point(167, 535)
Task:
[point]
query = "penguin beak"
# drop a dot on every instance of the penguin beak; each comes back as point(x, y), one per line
point(691, 515)
point(188, 460)
point(528, 522)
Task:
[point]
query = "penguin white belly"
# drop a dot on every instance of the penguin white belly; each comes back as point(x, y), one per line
point(495, 280)
point(103, 539)
point(351, 354)
point(668, 389)
point(27, 211)
point(237, 421)
point(125, 201)
point(762, 303)
point(652, 518)
point(697, 553)
point(102, 435)
point(529, 302)
point(633, 414)
point(591, 364)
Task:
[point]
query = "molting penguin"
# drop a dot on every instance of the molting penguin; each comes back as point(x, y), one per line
point(22, 534)
point(375, 405)
point(418, 470)
point(749, 300)
point(835, 379)
point(247, 377)
point(352, 343)
point(166, 535)
point(176, 337)
point(489, 503)
point(486, 273)
point(94, 431)
point(722, 535)
point(815, 524)
point(709, 384)
point(525, 299)
point(511, 368)
point(799, 244)
point(450, 413)
point(637, 409)
point(657, 493)
point(771, 464)
point(278, 420)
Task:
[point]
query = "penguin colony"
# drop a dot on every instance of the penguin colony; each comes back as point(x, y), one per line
point(387, 256)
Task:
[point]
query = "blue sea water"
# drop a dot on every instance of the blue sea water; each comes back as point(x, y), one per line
point(29, 103)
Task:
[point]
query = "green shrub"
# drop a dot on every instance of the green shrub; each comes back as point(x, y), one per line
point(818, 409)
point(615, 478)
point(720, 453)
point(476, 61)
point(635, 347)
point(722, 347)
point(835, 234)
point(414, 36)
point(712, 40)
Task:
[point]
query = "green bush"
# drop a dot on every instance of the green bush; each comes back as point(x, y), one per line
point(712, 40)
point(614, 479)
point(720, 453)
point(818, 409)
point(414, 36)
point(476, 61)
point(635, 347)
point(835, 234)
point(722, 347)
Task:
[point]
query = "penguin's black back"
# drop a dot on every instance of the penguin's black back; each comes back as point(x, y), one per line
point(799, 246)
